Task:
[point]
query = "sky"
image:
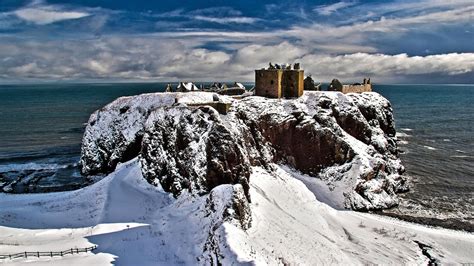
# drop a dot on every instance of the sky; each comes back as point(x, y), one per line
point(423, 41)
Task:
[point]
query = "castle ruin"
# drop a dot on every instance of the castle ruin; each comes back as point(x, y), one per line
point(279, 81)
point(336, 85)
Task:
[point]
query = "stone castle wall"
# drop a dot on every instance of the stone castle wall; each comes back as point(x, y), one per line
point(356, 88)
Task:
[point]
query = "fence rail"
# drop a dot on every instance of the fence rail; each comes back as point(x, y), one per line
point(47, 253)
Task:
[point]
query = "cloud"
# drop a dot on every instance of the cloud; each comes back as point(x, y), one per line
point(152, 58)
point(220, 15)
point(217, 11)
point(125, 45)
point(327, 10)
point(227, 20)
point(371, 33)
point(387, 67)
point(43, 15)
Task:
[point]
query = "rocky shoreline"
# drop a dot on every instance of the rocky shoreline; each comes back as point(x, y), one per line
point(448, 223)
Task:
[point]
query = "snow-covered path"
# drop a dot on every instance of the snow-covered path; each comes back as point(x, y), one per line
point(134, 223)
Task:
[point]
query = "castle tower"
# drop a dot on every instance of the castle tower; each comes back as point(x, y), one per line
point(292, 83)
point(278, 82)
point(268, 83)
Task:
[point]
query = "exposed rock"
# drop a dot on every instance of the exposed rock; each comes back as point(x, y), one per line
point(347, 141)
point(193, 150)
point(114, 132)
point(225, 203)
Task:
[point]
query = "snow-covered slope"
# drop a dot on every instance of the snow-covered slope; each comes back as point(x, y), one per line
point(135, 223)
point(131, 221)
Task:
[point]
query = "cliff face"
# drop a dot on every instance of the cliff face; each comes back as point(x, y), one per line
point(345, 141)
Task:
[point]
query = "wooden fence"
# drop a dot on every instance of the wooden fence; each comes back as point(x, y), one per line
point(47, 253)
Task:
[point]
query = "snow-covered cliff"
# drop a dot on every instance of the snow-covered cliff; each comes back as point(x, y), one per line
point(346, 142)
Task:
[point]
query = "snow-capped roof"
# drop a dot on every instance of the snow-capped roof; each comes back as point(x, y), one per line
point(240, 85)
point(187, 86)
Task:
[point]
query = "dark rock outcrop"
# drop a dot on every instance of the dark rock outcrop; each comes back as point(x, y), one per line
point(186, 149)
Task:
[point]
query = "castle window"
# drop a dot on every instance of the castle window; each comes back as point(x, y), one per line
point(271, 82)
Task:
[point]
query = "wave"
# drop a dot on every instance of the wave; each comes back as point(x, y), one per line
point(34, 167)
point(68, 151)
point(406, 129)
point(461, 156)
point(430, 148)
point(402, 135)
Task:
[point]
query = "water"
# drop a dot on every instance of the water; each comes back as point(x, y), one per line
point(436, 126)
point(41, 128)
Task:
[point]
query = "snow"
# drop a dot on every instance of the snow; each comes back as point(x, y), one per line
point(117, 126)
point(295, 218)
point(135, 223)
point(240, 85)
point(131, 221)
point(292, 226)
point(187, 86)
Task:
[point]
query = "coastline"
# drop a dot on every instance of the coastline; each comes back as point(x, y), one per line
point(448, 223)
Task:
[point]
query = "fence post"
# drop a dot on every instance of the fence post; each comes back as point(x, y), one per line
point(38, 254)
point(61, 253)
point(51, 254)
point(26, 255)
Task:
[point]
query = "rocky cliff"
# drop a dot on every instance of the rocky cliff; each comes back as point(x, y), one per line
point(345, 141)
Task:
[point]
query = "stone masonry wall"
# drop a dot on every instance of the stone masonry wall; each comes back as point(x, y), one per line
point(268, 83)
point(356, 88)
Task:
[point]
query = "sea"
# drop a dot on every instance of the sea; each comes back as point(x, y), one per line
point(41, 127)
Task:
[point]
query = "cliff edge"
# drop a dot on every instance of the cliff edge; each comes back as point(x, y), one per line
point(345, 142)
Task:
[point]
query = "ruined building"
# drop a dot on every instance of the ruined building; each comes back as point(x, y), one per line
point(279, 81)
point(310, 85)
point(336, 85)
